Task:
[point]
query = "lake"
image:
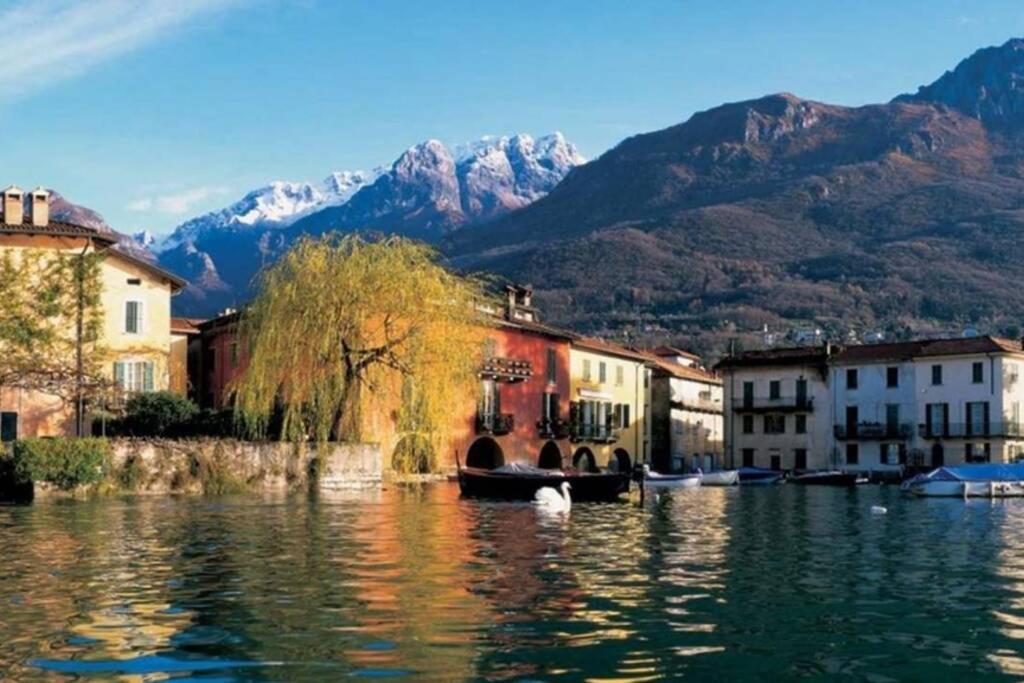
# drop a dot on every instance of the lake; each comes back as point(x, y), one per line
point(417, 584)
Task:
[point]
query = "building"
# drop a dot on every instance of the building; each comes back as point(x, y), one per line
point(876, 407)
point(185, 335)
point(777, 408)
point(219, 359)
point(610, 388)
point(687, 413)
point(135, 335)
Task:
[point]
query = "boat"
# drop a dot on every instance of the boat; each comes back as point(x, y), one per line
point(989, 480)
point(521, 482)
point(760, 476)
point(829, 478)
point(720, 478)
point(670, 481)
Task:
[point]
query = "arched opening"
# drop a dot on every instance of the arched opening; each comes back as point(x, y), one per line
point(620, 462)
point(550, 457)
point(414, 454)
point(938, 455)
point(485, 453)
point(584, 461)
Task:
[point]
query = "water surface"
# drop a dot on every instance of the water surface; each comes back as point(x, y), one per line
point(414, 583)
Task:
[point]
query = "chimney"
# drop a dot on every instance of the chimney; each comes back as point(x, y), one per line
point(14, 210)
point(39, 208)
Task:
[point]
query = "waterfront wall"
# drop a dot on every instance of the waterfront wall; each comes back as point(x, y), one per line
point(218, 466)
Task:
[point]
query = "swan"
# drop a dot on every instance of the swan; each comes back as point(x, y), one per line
point(550, 499)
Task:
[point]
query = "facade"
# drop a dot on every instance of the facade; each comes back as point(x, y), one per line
point(608, 412)
point(136, 331)
point(876, 407)
point(777, 409)
point(687, 413)
point(219, 359)
point(184, 342)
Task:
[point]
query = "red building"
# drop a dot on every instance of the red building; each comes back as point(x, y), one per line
point(221, 358)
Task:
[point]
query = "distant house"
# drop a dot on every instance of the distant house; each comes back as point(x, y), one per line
point(687, 413)
point(136, 301)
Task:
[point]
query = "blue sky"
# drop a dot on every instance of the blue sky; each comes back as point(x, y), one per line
point(151, 111)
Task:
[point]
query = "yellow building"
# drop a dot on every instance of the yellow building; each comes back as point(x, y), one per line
point(135, 299)
point(610, 402)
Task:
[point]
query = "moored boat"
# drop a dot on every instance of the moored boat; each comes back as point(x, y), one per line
point(517, 482)
point(760, 476)
point(829, 478)
point(969, 481)
point(720, 478)
point(670, 481)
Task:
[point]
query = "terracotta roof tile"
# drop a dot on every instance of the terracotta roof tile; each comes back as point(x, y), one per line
point(57, 228)
point(685, 371)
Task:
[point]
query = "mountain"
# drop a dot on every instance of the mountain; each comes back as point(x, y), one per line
point(64, 210)
point(907, 215)
point(427, 193)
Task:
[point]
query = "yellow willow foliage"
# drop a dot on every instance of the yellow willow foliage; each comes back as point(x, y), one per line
point(342, 326)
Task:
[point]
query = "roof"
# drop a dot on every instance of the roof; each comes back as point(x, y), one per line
point(800, 355)
point(57, 229)
point(536, 328)
point(924, 348)
point(612, 349)
point(684, 371)
point(186, 325)
point(665, 350)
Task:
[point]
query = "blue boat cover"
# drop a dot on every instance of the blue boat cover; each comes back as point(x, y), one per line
point(983, 472)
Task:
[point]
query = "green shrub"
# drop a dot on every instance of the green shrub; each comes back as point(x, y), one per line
point(65, 463)
point(158, 413)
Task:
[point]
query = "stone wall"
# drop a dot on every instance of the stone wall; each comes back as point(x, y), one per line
point(216, 466)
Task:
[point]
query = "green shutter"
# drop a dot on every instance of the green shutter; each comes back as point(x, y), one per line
point(148, 381)
point(119, 374)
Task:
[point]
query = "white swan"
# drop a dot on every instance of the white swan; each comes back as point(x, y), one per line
point(550, 499)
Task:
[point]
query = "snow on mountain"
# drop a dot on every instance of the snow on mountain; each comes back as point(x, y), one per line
point(341, 185)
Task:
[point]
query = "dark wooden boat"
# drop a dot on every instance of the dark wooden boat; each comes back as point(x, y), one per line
point(586, 486)
point(829, 478)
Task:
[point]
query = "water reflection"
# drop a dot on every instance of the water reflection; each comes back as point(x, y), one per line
point(414, 582)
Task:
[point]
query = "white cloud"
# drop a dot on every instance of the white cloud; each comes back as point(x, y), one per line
point(176, 203)
point(44, 41)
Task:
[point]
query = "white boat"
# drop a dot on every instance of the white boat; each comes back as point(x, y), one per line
point(670, 481)
point(969, 481)
point(720, 478)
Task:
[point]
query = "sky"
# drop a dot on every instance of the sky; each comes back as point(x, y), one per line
point(154, 111)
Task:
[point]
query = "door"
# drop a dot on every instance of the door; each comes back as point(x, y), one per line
point(776, 462)
point(801, 392)
point(8, 426)
point(938, 455)
point(748, 394)
point(852, 418)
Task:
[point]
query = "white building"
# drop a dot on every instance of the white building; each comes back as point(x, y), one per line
point(687, 413)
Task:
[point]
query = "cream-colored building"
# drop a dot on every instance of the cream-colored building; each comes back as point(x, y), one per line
point(610, 400)
point(135, 334)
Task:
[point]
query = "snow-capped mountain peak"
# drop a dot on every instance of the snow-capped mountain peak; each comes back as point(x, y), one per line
point(341, 185)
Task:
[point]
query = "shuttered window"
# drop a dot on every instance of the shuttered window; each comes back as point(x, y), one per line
point(133, 317)
point(134, 376)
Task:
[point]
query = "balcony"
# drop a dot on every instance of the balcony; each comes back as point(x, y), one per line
point(969, 430)
point(556, 428)
point(508, 370)
point(494, 424)
point(782, 404)
point(698, 405)
point(594, 433)
point(874, 431)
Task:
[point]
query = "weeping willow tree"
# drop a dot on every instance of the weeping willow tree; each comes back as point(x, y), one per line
point(342, 326)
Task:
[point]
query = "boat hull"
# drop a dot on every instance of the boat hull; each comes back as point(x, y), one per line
point(968, 489)
point(720, 478)
point(476, 483)
point(841, 479)
point(753, 476)
point(673, 481)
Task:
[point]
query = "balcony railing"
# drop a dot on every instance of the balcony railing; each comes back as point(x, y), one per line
point(493, 423)
point(593, 432)
point(556, 428)
point(970, 430)
point(874, 430)
point(782, 404)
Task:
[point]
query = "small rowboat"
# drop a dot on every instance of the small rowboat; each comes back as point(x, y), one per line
point(829, 478)
point(720, 478)
point(759, 476)
point(522, 483)
point(655, 480)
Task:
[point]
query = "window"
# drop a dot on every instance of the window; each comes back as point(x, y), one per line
point(977, 418)
point(586, 370)
point(602, 372)
point(801, 392)
point(801, 424)
point(748, 394)
point(617, 418)
point(774, 424)
point(620, 376)
point(234, 354)
point(977, 372)
point(892, 377)
point(800, 459)
point(748, 424)
point(776, 461)
point(936, 375)
point(133, 317)
point(8, 426)
point(936, 417)
point(134, 281)
point(974, 454)
point(892, 418)
point(852, 454)
point(552, 366)
point(549, 407)
point(851, 378)
point(134, 375)
point(883, 453)
point(774, 389)
point(748, 457)
point(625, 416)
